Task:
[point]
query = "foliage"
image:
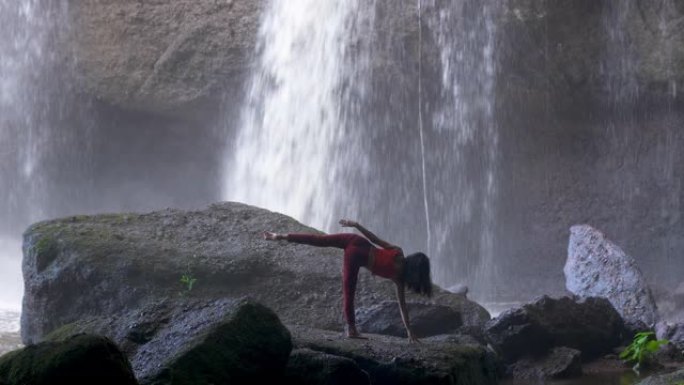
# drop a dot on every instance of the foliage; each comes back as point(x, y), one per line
point(188, 280)
point(641, 349)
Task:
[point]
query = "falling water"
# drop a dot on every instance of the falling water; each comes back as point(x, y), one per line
point(305, 146)
point(295, 133)
point(466, 138)
point(34, 102)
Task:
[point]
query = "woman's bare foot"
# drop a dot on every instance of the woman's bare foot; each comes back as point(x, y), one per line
point(353, 333)
point(269, 236)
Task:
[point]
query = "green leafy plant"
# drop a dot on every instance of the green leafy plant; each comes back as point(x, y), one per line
point(188, 281)
point(641, 349)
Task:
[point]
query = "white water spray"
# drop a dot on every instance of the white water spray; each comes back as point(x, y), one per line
point(294, 132)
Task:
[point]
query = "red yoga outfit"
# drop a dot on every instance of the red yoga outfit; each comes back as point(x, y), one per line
point(356, 252)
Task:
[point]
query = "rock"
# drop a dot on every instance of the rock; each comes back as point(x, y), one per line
point(590, 325)
point(560, 362)
point(664, 379)
point(426, 320)
point(196, 341)
point(104, 265)
point(671, 332)
point(78, 360)
point(308, 367)
point(170, 58)
point(596, 267)
point(392, 360)
point(459, 289)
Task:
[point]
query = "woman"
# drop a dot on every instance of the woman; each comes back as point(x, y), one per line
point(380, 257)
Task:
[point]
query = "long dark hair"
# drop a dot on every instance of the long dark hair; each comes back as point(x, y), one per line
point(416, 274)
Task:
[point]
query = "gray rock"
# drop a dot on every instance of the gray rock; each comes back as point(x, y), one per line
point(671, 332)
point(165, 57)
point(86, 266)
point(560, 362)
point(195, 341)
point(426, 320)
point(663, 379)
point(78, 360)
point(308, 367)
point(590, 325)
point(391, 360)
point(596, 267)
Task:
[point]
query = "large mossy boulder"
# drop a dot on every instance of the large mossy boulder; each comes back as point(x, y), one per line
point(78, 360)
point(97, 266)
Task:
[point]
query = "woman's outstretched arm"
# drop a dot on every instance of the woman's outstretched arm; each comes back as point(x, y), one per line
point(367, 233)
point(401, 298)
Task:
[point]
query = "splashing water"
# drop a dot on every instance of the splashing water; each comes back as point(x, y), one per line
point(293, 137)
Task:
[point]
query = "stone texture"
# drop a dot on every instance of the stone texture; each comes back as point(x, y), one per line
point(164, 57)
point(309, 367)
point(591, 326)
point(426, 320)
point(194, 341)
point(663, 379)
point(673, 332)
point(390, 360)
point(559, 363)
point(596, 267)
point(78, 360)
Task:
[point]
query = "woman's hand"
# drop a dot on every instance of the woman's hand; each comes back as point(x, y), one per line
point(269, 236)
point(412, 338)
point(348, 223)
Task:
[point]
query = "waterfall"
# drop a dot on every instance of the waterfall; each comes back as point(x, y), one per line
point(464, 131)
point(297, 125)
point(34, 102)
point(323, 135)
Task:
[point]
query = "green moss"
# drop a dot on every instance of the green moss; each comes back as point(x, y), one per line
point(81, 359)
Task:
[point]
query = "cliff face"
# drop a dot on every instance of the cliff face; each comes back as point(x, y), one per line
point(164, 57)
point(175, 57)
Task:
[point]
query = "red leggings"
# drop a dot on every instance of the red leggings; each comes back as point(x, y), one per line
point(356, 250)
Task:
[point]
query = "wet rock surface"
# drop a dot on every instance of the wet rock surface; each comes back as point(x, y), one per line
point(78, 360)
point(309, 367)
point(664, 379)
point(590, 325)
point(559, 363)
point(391, 360)
point(596, 267)
point(426, 320)
point(196, 341)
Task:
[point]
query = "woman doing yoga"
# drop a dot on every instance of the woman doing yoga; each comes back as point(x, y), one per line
point(380, 257)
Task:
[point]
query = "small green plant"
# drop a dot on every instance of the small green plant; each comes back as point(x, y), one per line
point(188, 281)
point(641, 349)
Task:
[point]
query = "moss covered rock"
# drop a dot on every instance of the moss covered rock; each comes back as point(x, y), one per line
point(79, 359)
point(112, 264)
